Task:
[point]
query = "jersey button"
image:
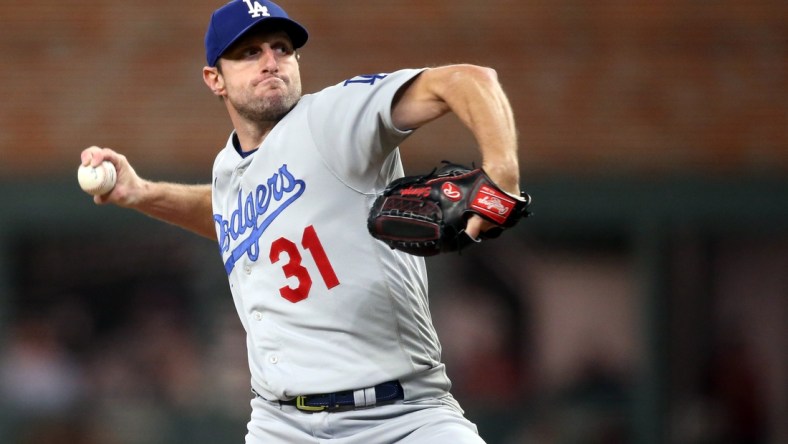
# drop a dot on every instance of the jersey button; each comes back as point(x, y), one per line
point(257, 316)
point(248, 269)
point(273, 359)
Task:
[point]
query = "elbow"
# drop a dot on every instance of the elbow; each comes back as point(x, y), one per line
point(484, 73)
point(457, 75)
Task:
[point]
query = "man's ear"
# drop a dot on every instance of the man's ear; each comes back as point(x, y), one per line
point(213, 79)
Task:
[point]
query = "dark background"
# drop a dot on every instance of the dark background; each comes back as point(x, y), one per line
point(645, 302)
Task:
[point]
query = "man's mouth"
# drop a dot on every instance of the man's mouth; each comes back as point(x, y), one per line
point(271, 81)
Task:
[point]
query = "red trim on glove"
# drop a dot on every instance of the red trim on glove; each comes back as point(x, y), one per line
point(492, 204)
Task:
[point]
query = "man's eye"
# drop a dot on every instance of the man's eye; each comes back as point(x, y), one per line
point(251, 51)
point(282, 49)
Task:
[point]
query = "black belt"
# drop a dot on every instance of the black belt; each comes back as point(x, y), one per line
point(383, 393)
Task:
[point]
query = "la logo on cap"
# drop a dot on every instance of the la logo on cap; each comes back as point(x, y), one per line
point(256, 9)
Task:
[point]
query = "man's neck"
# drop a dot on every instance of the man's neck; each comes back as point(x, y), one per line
point(251, 135)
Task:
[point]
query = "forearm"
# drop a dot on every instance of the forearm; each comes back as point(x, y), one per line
point(187, 206)
point(474, 95)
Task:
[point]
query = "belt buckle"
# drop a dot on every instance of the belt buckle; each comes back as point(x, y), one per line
point(301, 405)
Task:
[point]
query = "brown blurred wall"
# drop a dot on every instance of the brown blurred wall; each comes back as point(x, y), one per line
point(607, 86)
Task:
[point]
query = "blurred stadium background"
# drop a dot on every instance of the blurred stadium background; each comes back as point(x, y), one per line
point(646, 301)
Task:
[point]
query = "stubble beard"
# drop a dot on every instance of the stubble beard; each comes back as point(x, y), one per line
point(271, 108)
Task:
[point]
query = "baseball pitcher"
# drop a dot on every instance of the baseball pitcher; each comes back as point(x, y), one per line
point(322, 253)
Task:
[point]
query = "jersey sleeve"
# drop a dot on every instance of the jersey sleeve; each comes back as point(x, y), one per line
point(352, 127)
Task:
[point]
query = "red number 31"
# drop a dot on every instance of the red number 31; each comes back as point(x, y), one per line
point(293, 267)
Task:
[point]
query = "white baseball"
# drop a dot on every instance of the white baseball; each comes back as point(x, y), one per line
point(99, 180)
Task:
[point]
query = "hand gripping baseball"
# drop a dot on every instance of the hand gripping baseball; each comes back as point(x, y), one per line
point(426, 215)
point(122, 192)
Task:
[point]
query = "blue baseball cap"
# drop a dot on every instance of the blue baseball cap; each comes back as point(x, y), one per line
point(233, 20)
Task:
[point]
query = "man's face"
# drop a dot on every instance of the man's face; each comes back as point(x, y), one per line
point(261, 76)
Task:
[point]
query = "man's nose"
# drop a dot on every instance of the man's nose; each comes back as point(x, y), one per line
point(268, 59)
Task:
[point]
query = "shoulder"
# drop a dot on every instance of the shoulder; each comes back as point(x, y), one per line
point(227, 157)
point(362, 94)
point(364, 84)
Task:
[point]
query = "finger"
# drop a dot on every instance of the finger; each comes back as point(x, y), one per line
point(102, 154)
point(93, 156)
point(474, 226)
point(88, 154)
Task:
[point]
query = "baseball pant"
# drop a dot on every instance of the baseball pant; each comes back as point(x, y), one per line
point(414, 422)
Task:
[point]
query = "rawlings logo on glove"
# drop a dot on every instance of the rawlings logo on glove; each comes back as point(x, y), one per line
point(426, 215)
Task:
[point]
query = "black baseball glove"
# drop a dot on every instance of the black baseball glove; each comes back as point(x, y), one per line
point(426, 215)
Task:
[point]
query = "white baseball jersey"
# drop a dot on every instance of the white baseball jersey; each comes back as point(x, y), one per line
point(325, 306)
